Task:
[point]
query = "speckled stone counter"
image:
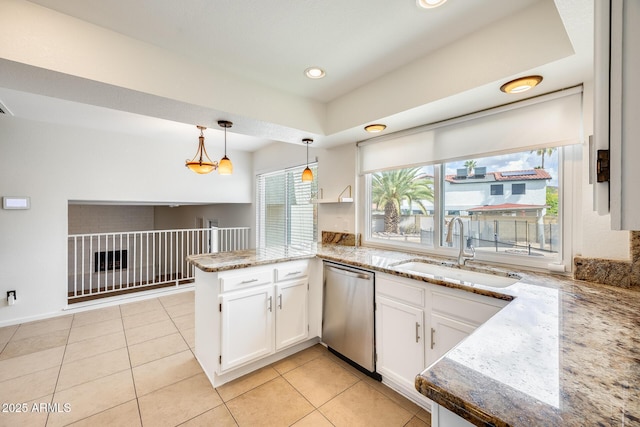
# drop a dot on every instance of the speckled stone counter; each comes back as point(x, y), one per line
point(621, 273)
point(562, 353)
point(248, 258)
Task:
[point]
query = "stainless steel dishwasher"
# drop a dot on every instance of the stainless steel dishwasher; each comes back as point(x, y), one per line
point(348, 315)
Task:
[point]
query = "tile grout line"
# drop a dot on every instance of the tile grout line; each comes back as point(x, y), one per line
point(133, 380)
point(10, 338)
point(179, 331)
point(315, 408)
point(55, 386)
point(114, 373)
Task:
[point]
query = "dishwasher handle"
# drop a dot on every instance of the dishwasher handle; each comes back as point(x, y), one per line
point(350, 273)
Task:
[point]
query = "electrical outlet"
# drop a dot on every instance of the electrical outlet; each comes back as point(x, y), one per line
point(10, 294)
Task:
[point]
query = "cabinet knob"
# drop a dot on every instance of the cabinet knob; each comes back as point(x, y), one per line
point(270, 307)
point(280, 301)
point(417, 332)
point(433, 342)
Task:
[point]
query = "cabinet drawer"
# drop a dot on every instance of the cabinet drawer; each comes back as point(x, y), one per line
point(292, 270)
point(245, 279)
point(401, 292)
point(476, 312)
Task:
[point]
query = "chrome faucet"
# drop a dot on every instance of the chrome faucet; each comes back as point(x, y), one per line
point(463, 255)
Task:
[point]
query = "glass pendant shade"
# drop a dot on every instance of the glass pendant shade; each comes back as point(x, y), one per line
point(225, 167)
point(307, 175)
point(201, 168)
point(201, 163)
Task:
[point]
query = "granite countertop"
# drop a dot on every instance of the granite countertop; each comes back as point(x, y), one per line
point(562, 353)
point(223, 261)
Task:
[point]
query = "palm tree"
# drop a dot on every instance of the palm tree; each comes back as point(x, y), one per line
point(390, 189)
point(470, 165)
point(543, 152)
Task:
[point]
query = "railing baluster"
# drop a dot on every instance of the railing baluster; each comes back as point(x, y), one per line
point(168, 248)
point(75, 266)
point(153, 258)
point(113, 275)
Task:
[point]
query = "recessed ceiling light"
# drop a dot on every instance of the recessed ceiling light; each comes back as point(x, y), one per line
point(374, 128)
point(314, 72)
point(429, 4)
point(520, 85)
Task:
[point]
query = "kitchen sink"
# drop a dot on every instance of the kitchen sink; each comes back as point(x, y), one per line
point(457, 275)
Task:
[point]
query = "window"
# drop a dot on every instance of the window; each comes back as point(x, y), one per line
point(406, 208)
point(402, 205)
point(519, 223)
point(518, 189)
point(284, 212)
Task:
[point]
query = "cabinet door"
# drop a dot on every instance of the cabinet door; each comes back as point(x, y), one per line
point(292, 313)
point(246, 325)
point(445, 334)
point(399, 341)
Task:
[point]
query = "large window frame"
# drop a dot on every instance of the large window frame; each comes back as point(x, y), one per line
point(552, 120)
point(567, 157)
point(284, 208)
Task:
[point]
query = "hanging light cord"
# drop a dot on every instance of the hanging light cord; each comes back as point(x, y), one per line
point(225, 141)
point(203, 150)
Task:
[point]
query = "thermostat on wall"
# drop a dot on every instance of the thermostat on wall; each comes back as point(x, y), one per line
point(16, 202)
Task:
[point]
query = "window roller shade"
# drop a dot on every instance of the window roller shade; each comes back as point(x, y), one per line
point(547, 121)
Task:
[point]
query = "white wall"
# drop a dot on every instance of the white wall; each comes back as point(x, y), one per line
point(336, 170)
point(85, 219)
point(227, 215)
point(54, 164)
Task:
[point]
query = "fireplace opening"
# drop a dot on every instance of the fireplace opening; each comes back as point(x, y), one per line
point(110, 260)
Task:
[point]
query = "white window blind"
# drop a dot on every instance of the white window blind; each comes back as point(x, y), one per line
point(551, 120)
point(284, 214)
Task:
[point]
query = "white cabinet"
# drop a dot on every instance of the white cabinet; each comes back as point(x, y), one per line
point(442, 417)
point(251, 317)
point(292, 313)
point(617, 106)
point(445, 333)
point(258, 319)
point(399, 341)
point(400, 326)
point(246, 326)
point(418, 322)
point(454, 316)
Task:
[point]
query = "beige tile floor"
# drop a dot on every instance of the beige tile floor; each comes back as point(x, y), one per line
point(133, 364)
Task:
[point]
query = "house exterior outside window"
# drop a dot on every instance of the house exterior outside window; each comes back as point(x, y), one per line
point(497, 189)
point(506, 211)
point(518, 188)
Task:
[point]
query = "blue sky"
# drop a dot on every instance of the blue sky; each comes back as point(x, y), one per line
point(513, 162)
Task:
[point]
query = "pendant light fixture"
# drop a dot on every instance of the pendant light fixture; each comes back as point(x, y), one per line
point(307, 175)
point(201, 163)
point(225, 167)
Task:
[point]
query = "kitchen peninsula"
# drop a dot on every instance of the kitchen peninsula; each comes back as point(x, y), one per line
point(561, 352)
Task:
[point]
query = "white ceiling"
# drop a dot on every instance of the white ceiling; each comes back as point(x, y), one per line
point(359, 43)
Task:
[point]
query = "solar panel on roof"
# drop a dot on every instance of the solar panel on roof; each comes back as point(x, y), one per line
point(519, 173)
